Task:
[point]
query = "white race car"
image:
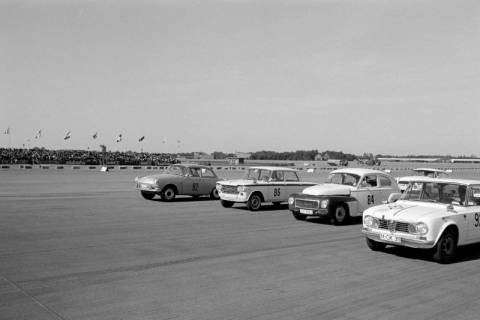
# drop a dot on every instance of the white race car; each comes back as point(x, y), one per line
point(259, 185)
point(425, 172)
point(433, 213)
point(346, 193)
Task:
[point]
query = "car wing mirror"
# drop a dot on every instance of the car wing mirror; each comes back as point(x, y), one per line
point(393, 197)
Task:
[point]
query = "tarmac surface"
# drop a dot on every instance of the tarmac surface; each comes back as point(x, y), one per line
point(86, 245)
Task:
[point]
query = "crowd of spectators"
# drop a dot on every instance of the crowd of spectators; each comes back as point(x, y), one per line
point(87, 157)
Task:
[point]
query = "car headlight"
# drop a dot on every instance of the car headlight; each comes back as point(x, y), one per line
point(418, 228)
point(291, 200)
point(242, 188)
point(324, 204)
point(370, 222)
point(219, 187)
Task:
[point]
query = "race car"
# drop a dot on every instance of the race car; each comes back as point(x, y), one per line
point(433, 213)
point(179, 179)
point(426, 172)
point(346, 193)
point(260, 185)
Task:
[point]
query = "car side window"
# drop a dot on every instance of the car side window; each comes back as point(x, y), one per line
point(370, 181)
point(385, 182)
point(291, 176)
point(207, 173)
point(474, 196)
point(194, 172)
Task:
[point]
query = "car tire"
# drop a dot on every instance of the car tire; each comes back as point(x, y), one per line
point(299, 216)
point(214, 194)
point(226, 204)
point(255, 202)
point(375, 245)
point(446, 247)
point(339, 214)
point(168, 194)
point(147, 195)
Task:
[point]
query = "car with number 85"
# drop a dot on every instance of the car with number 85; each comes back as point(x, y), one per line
point(437, 214)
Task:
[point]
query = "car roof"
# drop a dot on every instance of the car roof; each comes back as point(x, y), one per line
point(272, 168)
point(444, 180)
point(191, 165)
point(360, 171)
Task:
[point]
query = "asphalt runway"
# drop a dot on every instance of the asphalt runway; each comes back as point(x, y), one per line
point(86, 245)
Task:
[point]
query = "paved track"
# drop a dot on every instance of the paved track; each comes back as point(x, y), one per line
point(86, 246)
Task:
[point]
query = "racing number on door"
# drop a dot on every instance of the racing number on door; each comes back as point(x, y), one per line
point(195, 187)
point(477, 220)
point(276, 192)
point(370, 199)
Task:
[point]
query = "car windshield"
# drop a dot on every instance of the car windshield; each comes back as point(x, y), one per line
point(257, 174)
point(176, 170)
point(348, 179)
point(448, 193)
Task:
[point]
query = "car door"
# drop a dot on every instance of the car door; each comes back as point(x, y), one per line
point(472, 212)
point(208, 180)
point(278, 191)
point(192, 182)
point(367, 192)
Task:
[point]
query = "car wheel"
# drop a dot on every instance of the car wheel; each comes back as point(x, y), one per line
point(375, 245)
point(339, 214)
point(168, 194)
point(299, 216)
point(214, 194)
point(147, 195)
point(254, 203)
point(226, 204)
point(446, 248)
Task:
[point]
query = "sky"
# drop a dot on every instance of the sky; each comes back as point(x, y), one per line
point(386, 77)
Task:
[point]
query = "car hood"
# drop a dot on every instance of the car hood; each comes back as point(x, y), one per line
point(237, 182)
point(155, 177)
point(328, 189)
point(408, 211)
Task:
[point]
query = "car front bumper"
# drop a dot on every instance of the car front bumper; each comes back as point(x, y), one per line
point(406, 240)
point(147, 187)
point(234, 197)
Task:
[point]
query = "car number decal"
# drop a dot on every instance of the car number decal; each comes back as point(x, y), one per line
point(276, 192)
point(195, 187)
point(370, 199)
point(477, 220)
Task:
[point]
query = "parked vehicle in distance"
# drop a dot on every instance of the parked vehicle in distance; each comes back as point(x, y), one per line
point(260, 185)
point(346, 193)
point(179, 179)
point(425, 172)
point(433, 213)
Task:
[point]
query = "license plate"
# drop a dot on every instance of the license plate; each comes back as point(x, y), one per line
point(304, 211)
point(390, 237)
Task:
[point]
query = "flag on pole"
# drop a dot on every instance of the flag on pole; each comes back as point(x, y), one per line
point(7, 131)
point(67, 135)
point(141, 139)
point(119, 138)
point(95, 135)
point(39, 134)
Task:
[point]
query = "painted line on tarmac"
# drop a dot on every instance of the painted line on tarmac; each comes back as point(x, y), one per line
point(35, 300)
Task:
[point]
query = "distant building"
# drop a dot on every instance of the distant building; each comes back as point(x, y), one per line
point(410, 159)
point(239, 158)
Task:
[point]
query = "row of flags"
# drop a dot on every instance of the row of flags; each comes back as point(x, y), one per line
point(94, 136)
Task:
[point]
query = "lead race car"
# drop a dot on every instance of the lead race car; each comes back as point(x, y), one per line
point(433, 213)
point(346, 193)
point(179, 179)
point(260, 185)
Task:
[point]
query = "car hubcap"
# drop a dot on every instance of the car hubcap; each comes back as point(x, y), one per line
point(215, 193)
point(447, 245)
point(340, 214)
point(169, 194)
point(255, 202)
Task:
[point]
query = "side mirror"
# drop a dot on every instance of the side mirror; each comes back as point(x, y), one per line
point(393, 197)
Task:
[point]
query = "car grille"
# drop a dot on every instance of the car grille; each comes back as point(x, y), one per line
point(229, 189)
point(393, 225)
point(306, 204)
